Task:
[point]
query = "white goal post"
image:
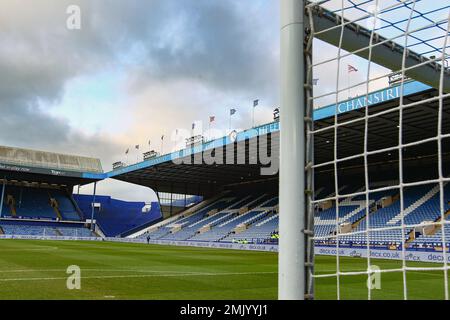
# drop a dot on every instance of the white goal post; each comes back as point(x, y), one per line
point(349, 51)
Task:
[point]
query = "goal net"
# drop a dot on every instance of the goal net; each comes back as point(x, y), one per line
point(377, 87)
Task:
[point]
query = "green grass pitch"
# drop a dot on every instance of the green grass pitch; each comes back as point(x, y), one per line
point(37, 270)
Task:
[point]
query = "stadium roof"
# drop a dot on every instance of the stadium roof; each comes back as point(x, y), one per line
point(420, 106)
point(165, 174)
point(425, 32)
point(47, 167)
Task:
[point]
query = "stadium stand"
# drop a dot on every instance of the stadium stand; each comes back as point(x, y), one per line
point(28, 202)
point(421, 204)
point(219, 220)
point(235, 202)
point(31, 228)
point(253, 218)
point(116, 217)
point(36, 192)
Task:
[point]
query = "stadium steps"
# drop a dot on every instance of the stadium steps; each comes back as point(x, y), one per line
point(360, 205)
point(12, 205)
point(250, 204)
point(238, 216)
point(257, 218)
point(179, 216)
point(212, 218)
point(264, 204)
point(268, 214)
point(55, 207)
point(215, 222)
point(163, 235)
point(411, 237)
point(225, 236)
point(75, 204)
point(267, 220)
point(430, 194)
point(358, 222)
point(58, 232)
point(203, 206)
point(221, 219)
point(350, 199)
point(446, 215)
point(438, 227)
point(240, 202)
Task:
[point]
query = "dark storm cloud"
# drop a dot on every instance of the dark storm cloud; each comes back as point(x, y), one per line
point(223, 44)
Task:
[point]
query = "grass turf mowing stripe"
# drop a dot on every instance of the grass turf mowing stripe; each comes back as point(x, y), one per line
point(136, 271)
point(142, 276)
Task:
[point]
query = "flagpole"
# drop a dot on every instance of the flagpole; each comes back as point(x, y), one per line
point(255, 104)
point(253, 117)
point(348, 84)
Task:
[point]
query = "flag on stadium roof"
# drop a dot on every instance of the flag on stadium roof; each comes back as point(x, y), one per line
point(193, 126)
point(137, 147)
point(232, 111)
point(162, 137)
point(127, 151)
point(352, 69)
point(212, 118)
point(255, 103)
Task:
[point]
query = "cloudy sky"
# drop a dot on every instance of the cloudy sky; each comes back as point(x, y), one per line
point(136, 70)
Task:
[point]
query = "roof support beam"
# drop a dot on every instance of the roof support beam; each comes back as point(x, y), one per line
point(384, 52)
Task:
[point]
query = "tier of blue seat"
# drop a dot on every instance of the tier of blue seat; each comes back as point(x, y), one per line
point(34, 203)
point(429, 210)
point(262, 223)
point(28, 228)
point(260, 231)
point(434, 240)
point(223, 222)
point(195, 221)
point(330, 214)
point(65, 205)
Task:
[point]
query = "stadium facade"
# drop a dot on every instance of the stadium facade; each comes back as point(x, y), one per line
point(234, 199)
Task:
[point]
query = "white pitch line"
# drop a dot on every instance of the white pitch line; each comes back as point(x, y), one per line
point(82, 269)
point(30, 249)
point(141, 276)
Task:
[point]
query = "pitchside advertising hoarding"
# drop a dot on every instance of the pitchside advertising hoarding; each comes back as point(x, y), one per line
point(410, 255)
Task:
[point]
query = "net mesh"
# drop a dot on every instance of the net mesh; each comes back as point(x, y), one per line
point(381, 158)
